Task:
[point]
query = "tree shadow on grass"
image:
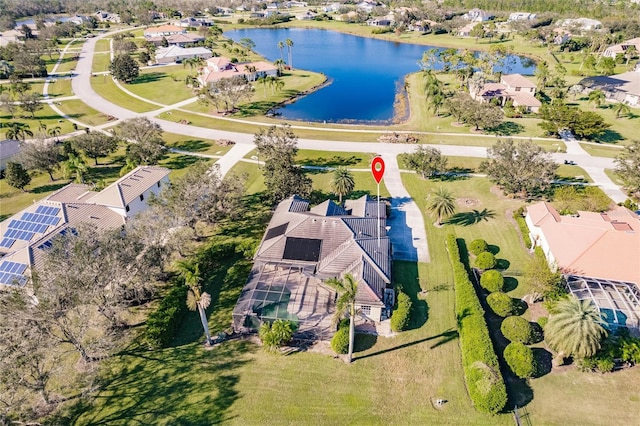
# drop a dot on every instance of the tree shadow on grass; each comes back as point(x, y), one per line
point(470, 218)
point(50, 187)
point(255, 108)
point(151, 77)
point(544, 361)
point(445, 336)
point(364, 342)
point(194, 145)
point(334, 161)
point(493, 249)
point(410, 285)
point(510, 284)
point(181, 162)
point(609, 136)
point(507, 128)
point(502, 264)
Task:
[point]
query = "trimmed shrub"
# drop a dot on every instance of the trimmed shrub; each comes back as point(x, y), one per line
point(492, 280)
point(542, 321)
point(520, 359)
point(478, 246)
point(518, 215)
point(340, 341)
point(163, 323)
point(401, 316)
point(517, 329)
point(482, 373)
point(502, 304)
point(485, 260)
point(276, 334)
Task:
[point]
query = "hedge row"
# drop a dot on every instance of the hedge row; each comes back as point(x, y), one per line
point(518, 215)
point(484, 380)
point(402, 314)
point(163, 323)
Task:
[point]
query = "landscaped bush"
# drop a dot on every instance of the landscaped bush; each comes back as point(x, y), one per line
point(481, 370)
point(485, 260)
point(502, 304)
point(340, 341)
point(518, 215)
point(401, 316)
point(517, 329)
point(164, 321)
point(276, 334)
point(542, 321)
point(478, 246)
point(520, 360)
point(492, 281)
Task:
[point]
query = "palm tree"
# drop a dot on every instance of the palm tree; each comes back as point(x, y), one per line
point(75, 164)
point(289, 44)
point(281, 46)
point(251, 70)
point(620, 109)
point(17, 131)
point(196, 298)
point(54, 132)
point(597, 97)
point(342, 182)
point(280, 64)
point(263, 79)
point(347, 289)
point(542, 74)
point(631, 52)
point(441, 203)
point(575, 328)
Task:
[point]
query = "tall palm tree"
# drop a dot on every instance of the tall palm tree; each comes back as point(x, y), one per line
point(576, 328)
point(251, 70)
point(597, 97)
point(289, 44)
point(542, 74)
point(280, 64)
point(347, 289)
point(342, 182)
point(54, 132)
point(281, 46)
point(17, 131)
point(263, 79)
point(75, 164)
point(620, 109)
point(441, 203)
point(196, 298)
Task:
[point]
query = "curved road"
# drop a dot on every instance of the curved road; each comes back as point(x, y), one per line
point(412, 244)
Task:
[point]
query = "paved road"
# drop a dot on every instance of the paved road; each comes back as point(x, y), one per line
point(412, 243)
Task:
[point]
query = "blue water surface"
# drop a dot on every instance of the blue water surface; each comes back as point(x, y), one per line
point(365, 74)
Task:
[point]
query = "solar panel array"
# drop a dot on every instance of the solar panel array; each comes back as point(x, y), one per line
point(11, 273)
point(29, 224)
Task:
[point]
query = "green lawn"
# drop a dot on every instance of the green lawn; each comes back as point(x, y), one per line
point(164, 85)
point(46, 117)
point(623, 130)
point(13, 200)
point(105, 87)
point(60, 87)
point(601, 150)
point(614, 176)
point(68, 63)
point(351, 160)
point(102, 46)
point(201, 146)
point(83, 112)
point(573, 173)
point(100, 62)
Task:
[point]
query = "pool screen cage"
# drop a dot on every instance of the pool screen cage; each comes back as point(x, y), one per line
point(289, 292)
point(618, 301)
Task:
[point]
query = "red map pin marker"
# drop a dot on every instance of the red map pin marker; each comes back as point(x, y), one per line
point(377, 168)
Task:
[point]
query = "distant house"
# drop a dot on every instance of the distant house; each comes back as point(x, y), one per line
point(307, 16)
point(512, 87)
point(25, 235)
point(302, 248)
point(11, 36)
point(561, 36)
point(597, 252)
point(332, 8)
point(164, 31)
point(294, 4)
point(621, 48)
point(383, 21)
point(477, 15)
point(167, 55)
point(182, 39)
point(103, 16)
point(421, 26)
point(582, 24)
point(623, 87)
point(194, 22)
point(521, 16)
point(78, 19)
point(366, 6)
point(9, 149)
point(466, 30)
point(218, 68)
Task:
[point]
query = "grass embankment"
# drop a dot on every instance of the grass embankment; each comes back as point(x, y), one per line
point(105, 87)
point(83, 112)
point(101, 62)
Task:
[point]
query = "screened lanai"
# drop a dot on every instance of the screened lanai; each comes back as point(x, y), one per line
point(619, 302)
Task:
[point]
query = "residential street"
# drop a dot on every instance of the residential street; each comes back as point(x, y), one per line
point(410, 244)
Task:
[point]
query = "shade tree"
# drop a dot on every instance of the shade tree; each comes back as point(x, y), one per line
point(41, 155)
point(17, 176)
point(95, 144)
point(628, 168)
point(427, 161)
point(124, 68)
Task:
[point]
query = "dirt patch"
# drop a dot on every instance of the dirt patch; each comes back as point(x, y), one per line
point(495, 190)
point(537, 310)
point(468, 202)
point(321, 347)
point(457, 124)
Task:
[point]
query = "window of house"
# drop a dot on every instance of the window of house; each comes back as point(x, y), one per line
point(366, 310)
point(518, 89)
point(158, 184)
point(127, 208)
point(141, 197)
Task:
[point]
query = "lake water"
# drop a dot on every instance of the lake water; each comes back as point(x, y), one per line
point(365, 74)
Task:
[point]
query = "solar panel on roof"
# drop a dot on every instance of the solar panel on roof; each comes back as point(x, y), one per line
point(47, 210)
point(7, 242)
point(11, 273)
point(306, 249)
point(276, 231)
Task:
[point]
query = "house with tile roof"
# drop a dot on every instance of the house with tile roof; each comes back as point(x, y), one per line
point(164, 30)
point(177, 54)
point(623, 87)
point(622, 48)
point(219, 67)
point(598, 253)
point(25, 235)
point(182, 40)
point(512, 87)
point(303, 247)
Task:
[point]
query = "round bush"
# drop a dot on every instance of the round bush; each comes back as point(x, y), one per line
point(501, 304)
point(492, 280)
point(478, 246)
point(400, 317)
point(485, 260)
point(340, 341)
point(520, 359)
point(517, 329)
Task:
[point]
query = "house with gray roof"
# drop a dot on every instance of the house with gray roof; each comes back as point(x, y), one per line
point(305, 246)
point(623, 87)
point(9, 148)
point(25, 235)
point(175, 53)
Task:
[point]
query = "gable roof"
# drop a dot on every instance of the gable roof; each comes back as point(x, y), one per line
point(164, 29)
point(627, 82)
point(517, 80)
point(174, 51)
point(9, 148)
point(130, 186)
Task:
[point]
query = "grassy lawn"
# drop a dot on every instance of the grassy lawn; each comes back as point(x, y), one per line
point(351, 160)
point(46, 116)
point(13, 200)
point(60, 87)
point(614, 176)
point(83, 112)
point(202, 146)
point(601, 150)
point(622, 131)
point(573, 173)
point(102, 46)
point(68, 63)
point(105, 87)
point(164, 85)
point(100, 62)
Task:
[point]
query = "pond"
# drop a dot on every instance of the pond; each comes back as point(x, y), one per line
point(365, 74)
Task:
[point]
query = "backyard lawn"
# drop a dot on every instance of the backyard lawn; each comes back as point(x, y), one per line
point(165, 85)
point(201, 146)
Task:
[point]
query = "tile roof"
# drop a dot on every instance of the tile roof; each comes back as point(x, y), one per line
point(130, 186)
point(164, 29)
point(628, 82)
point(517, 80)
point(174, 51)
